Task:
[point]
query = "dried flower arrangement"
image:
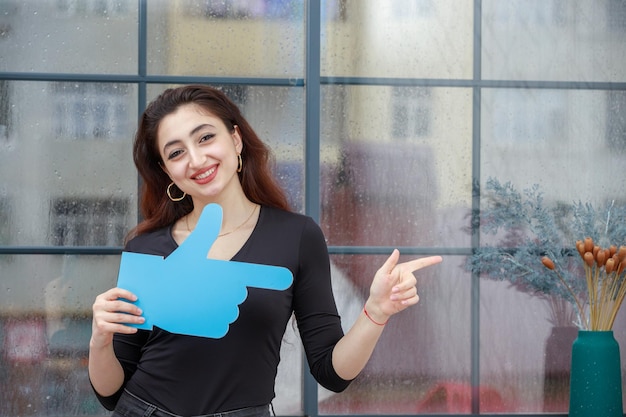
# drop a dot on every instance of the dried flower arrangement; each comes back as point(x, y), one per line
point(526, 228)
point(605, 274)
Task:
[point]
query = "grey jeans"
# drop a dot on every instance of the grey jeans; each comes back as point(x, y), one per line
point(130, 405)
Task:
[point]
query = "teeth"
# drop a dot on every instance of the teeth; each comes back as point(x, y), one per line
point(206, 174)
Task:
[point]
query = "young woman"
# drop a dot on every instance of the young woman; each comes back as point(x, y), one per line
point(193, 147)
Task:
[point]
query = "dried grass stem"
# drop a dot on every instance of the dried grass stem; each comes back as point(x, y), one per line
point(606, 283)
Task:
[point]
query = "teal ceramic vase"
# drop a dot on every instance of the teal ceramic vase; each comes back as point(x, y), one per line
point(595, 379)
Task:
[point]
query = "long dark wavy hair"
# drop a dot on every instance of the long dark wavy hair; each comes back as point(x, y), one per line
point(256, 175)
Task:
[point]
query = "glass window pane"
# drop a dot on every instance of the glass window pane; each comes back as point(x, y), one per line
point(514, 332)
point(430, 39)
point(227, 38)
point(560, 40)
point(69, 36)
point(396, 165)
point(424, 350)
point(277, 116)
point(524, 352)
point(569, 141)
point(67, 154)
point(45, 327)
point(288, 388)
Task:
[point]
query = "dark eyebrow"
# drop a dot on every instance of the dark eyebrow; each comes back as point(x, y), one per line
point(191, 133)
point(199, 127)
point(170, 143)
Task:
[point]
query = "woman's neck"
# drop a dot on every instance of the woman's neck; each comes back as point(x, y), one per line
point(235, 211)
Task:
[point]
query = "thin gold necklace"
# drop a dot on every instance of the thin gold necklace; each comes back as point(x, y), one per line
point(231, 231)
point(241, 225)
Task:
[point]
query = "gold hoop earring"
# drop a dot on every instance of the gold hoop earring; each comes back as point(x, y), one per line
point(170, 195)
point(239, 163)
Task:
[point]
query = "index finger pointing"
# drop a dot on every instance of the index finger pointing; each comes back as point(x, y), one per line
point(420, 263)
point(260, 276)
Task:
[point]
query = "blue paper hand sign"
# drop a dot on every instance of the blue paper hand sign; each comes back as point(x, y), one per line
point(187, 293)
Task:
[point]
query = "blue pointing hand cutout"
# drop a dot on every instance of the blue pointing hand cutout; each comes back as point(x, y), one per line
point(187, 293)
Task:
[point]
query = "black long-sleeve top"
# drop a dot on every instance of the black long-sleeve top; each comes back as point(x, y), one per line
point(188, 375)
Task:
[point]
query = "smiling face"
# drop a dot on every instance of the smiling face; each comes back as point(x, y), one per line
point(199, 153)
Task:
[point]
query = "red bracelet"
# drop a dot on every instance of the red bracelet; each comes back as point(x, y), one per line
point(371, 319)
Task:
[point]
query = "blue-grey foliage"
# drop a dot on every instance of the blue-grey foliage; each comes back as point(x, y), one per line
point(526, 228)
